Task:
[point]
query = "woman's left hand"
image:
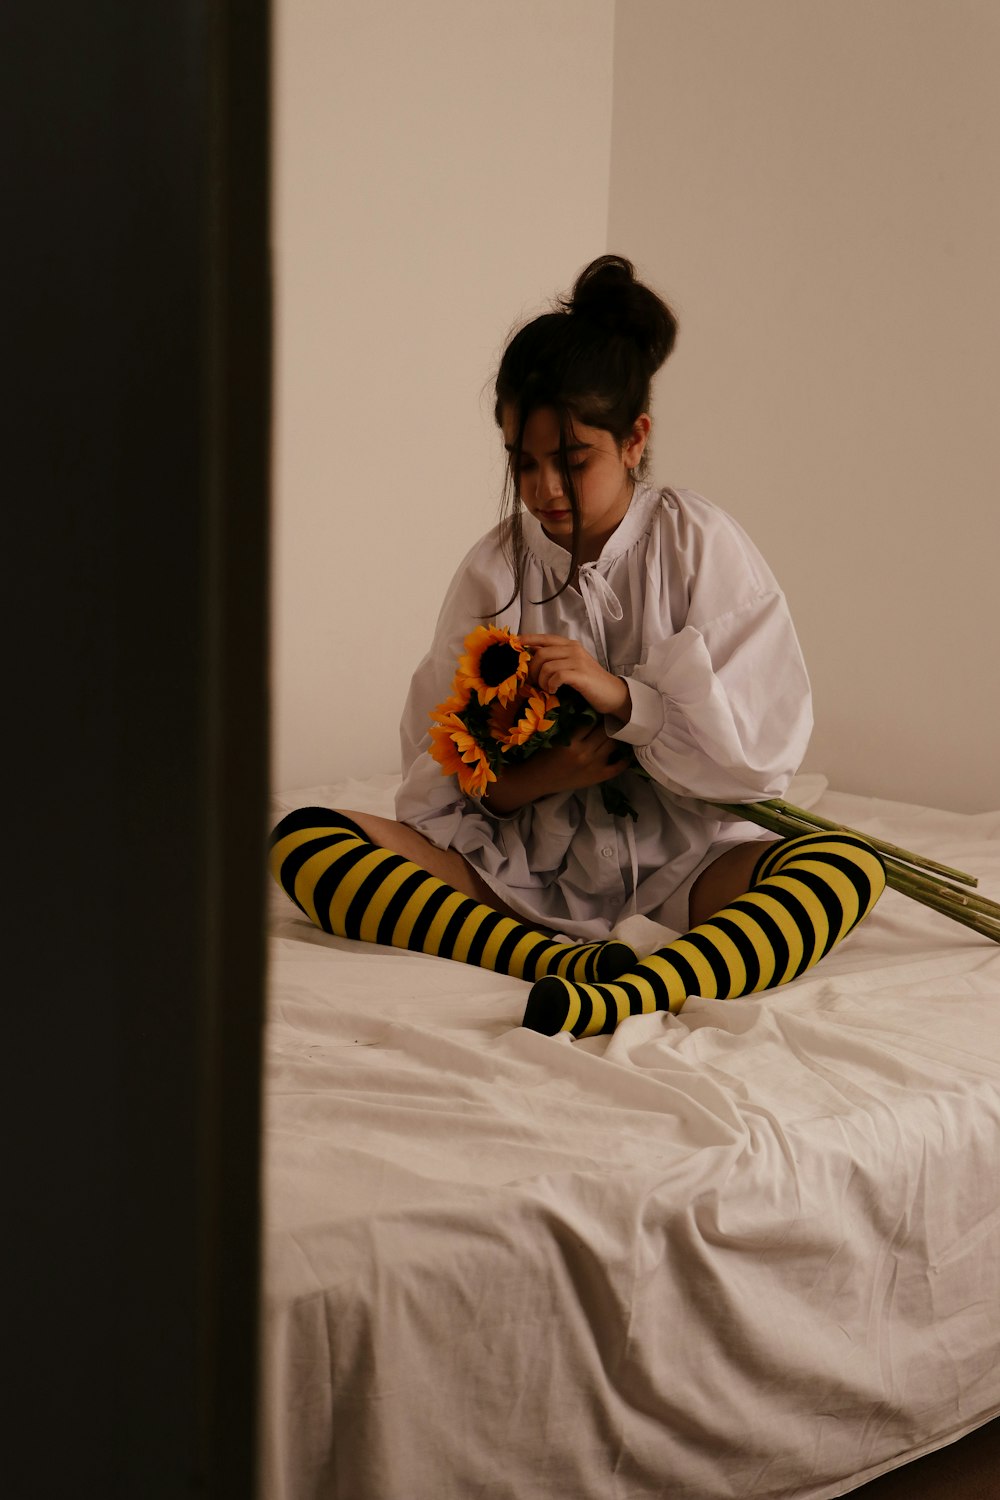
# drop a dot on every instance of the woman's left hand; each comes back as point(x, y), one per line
point(557, 662)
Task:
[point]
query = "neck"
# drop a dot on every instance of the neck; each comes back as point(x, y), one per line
point(592, 544)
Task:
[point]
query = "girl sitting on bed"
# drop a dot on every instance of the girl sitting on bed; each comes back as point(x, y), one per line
point(656, 606)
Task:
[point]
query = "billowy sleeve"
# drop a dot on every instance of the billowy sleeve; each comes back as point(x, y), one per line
point(721, 708)
point(427, 799)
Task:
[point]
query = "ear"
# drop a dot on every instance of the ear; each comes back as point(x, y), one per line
point(634, 445)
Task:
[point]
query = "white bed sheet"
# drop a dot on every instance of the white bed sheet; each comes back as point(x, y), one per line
point(749, 1251)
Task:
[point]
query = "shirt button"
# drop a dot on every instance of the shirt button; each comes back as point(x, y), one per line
point(608, 852)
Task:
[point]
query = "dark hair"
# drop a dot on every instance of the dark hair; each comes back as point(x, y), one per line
point(592, 361)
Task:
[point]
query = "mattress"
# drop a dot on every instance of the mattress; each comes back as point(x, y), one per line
point(752, 1250)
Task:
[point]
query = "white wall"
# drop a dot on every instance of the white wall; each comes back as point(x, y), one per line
point(815, 187)
point(812, 184)
point(441, 170)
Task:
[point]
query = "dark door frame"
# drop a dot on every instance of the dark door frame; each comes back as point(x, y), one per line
point(135, 463)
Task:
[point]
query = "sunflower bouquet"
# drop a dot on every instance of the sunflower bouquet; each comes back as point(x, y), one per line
point(495, 716)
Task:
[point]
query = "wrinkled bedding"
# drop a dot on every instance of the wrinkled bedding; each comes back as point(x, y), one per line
point(752, 1250)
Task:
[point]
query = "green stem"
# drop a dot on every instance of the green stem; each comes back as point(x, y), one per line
point(894, 850)
point(986, 927)
point(905, 871)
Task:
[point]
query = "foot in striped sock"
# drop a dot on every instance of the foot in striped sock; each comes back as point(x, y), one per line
point(352, 888)
point(805, 896)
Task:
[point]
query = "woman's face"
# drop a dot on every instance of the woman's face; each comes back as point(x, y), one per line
point(600, 470)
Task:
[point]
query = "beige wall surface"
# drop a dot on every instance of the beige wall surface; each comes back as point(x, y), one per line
point(814, 186)
point(440, 172)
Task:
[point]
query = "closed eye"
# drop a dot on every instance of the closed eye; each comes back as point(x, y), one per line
point(527, 464)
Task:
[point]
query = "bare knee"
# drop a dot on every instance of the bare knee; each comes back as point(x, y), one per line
point(446, 864)
point(399, 837)
point(724, 879)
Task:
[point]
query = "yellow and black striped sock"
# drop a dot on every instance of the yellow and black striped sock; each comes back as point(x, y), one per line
point(352, 888)
point(806, 894)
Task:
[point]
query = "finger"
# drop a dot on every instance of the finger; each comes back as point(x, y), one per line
point(566, 651)
point(614, 757)
point(552, 676)
point(597, 733)
point(588, 738)
point(540, 672)
point(550, 656)
point(536, 642)
point(566, 654)
point(565, 668)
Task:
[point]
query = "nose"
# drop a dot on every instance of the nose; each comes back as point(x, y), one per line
point(550, 485)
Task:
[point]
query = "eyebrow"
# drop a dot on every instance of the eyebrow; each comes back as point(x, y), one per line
point(570, 448)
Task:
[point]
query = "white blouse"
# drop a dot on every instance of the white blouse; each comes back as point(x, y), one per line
point(682, 605)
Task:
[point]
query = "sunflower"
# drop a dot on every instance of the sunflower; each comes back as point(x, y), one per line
point(502, 718)
point(514, 723)
point(494, 665)
point(453, 704)
point(476, 776)
point(443, 746)
point(457, 753)
point(533, 718)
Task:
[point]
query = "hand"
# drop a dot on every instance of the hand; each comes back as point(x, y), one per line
point(589, 758)
point(557, 662)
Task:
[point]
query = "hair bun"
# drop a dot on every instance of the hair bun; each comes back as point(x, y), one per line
point(608, 295)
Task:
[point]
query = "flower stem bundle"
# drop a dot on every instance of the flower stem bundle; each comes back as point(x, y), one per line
point(934, 885)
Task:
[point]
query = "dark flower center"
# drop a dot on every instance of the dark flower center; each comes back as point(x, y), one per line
point(497, 663)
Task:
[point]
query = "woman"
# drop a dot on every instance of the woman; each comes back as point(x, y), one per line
point(658, 609)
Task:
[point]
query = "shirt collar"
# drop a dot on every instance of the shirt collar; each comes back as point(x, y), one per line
point(633, 524)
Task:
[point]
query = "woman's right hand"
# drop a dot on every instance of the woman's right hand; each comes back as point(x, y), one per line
point(589, 758)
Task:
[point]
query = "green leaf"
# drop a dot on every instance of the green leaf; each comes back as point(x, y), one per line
point(616, 802)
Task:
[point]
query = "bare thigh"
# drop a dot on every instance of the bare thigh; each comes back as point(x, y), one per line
point(725, 878)
point(446, 864)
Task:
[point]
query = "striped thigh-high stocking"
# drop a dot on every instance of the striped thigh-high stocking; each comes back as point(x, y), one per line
point(353, 888)
point(805, 895)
